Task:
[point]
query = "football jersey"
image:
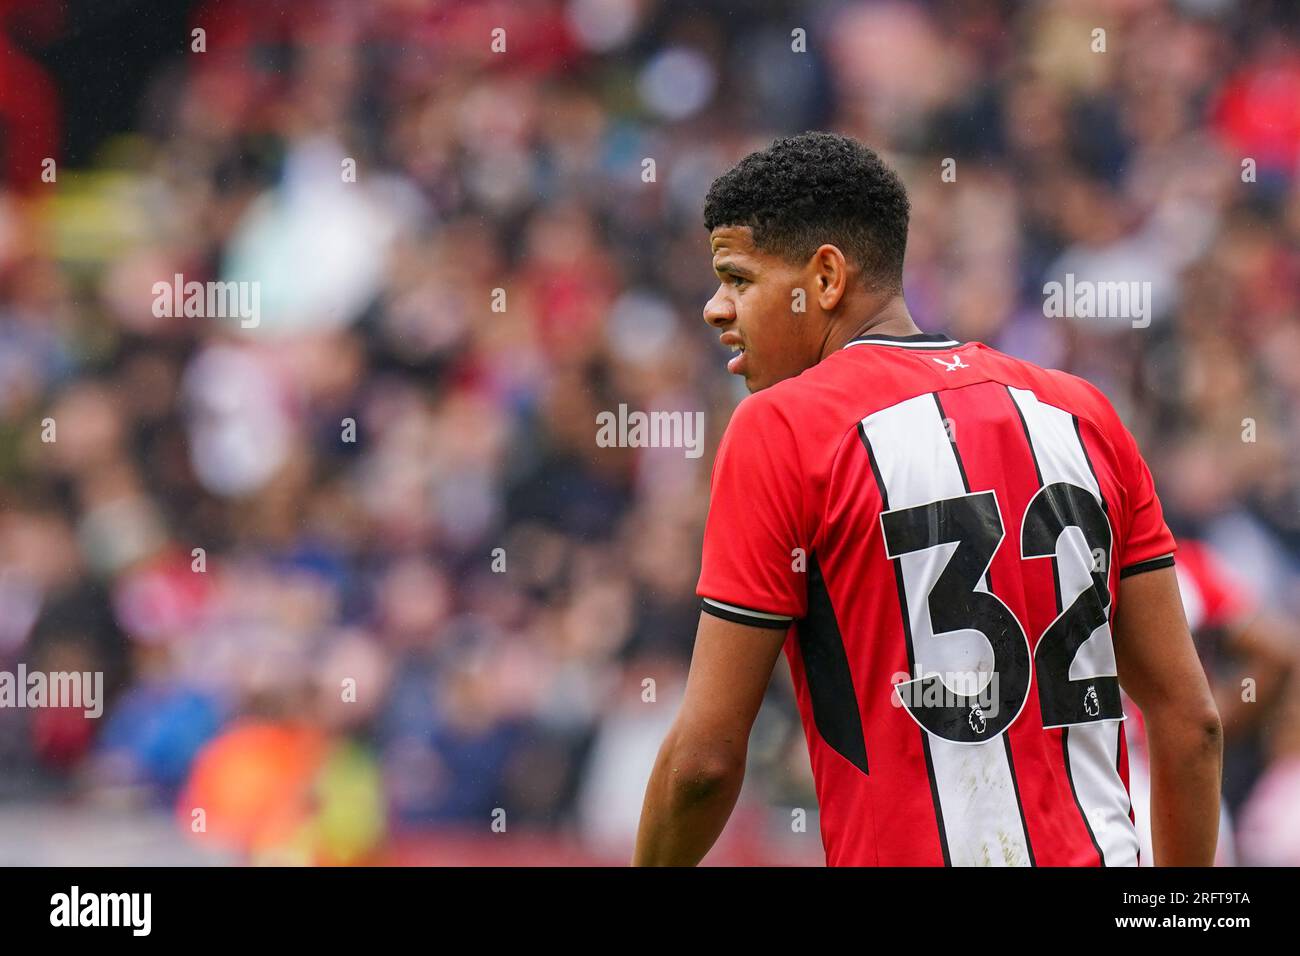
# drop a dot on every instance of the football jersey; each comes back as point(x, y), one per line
point(942, 529)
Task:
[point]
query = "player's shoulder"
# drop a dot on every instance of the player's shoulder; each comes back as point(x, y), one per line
point(824, 403)
point(857, 379)
point(1064, 390)
point(757, 412)
point(805, 416)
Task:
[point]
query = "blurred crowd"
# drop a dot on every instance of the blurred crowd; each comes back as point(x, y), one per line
point(360, 578)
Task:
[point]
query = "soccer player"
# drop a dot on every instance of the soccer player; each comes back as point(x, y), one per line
point(962, 554)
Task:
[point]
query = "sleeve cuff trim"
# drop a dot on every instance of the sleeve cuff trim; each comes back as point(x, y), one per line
point(744, 615)
point(1151, 564)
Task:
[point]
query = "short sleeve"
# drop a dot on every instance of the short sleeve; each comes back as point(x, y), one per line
point(1148, 543)
point(755, 549)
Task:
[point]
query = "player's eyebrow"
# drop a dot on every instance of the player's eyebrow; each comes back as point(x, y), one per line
point(727, 267)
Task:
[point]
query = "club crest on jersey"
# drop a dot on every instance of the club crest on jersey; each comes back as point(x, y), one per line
point(977, 721)
point(1090, 702)
point(955, 364)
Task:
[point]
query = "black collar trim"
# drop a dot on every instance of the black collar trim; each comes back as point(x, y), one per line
point(919, 340)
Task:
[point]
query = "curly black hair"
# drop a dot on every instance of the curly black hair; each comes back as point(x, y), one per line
point(813, 188)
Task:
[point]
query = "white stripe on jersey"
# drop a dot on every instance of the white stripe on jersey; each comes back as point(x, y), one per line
point(1091, 748)
point(977, 795)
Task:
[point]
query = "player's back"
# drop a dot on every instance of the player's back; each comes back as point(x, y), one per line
point(943, 528)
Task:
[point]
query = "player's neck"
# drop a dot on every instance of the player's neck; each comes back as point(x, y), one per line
point(888, 317)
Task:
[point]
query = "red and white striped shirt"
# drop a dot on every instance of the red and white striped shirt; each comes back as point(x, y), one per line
point(942, 530)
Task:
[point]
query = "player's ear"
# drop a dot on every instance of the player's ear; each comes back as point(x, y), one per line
point(830, 276)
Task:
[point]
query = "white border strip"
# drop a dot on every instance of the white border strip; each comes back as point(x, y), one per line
point(747, 612)
point(905, 345)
